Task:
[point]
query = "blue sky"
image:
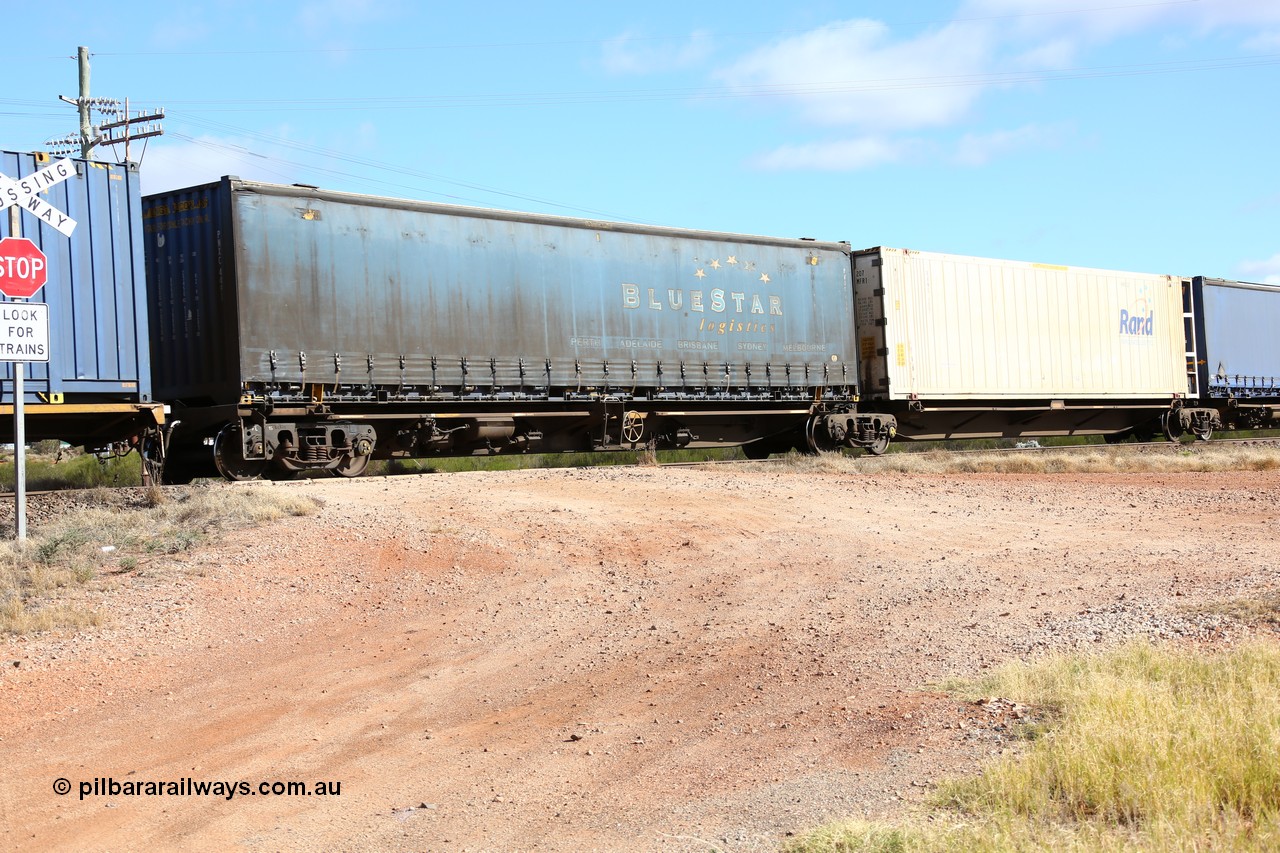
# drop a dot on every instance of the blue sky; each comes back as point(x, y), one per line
point(1109, 133)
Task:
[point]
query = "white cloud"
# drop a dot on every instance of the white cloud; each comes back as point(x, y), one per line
point(978, 149)
point(854, 73)
point(633, 54)
point(858, 73)
point(838, 156)
point(337, 17)
point(1096, 22)
point(1267, 272)
point(184, 25)
point(1263, 41)
point(866, 152)
point(1055, 54)
point(176, 164)
point(1074, 29)
point(1033, 19)
point(1227, 13)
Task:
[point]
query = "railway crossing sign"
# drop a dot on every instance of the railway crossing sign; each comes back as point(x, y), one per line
point(24, 331)
point(23, 268)
point(24, 193)
point(24, 328)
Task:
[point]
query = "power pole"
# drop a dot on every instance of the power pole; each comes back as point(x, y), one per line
point(82, 103)
point(120, 130)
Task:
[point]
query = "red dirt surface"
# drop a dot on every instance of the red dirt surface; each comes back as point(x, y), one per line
point(601, 659)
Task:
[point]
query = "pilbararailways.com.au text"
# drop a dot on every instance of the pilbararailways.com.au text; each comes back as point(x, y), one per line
point(106, 786)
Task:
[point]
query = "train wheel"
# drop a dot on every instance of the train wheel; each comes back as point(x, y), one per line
point(152, 452)
point(757, 450)
point(351, 466)
point(817, 438)
point(880, 445)
point(1204, 433)
point(228, 455)
point(1172, 428)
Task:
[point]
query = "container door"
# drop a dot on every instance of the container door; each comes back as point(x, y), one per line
point(869, 320)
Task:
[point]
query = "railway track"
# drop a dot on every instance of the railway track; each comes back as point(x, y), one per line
point(1069, 448)
point(1142, 445)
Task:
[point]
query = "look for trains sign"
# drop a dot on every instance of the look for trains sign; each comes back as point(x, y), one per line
point(23, 268)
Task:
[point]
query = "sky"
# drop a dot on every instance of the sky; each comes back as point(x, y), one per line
point(1117, 134)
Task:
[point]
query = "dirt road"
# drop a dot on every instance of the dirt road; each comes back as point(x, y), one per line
point(606, 659)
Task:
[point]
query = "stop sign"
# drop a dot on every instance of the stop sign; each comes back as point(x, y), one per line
point(23, 268)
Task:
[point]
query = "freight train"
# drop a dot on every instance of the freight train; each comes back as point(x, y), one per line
point(260, 330)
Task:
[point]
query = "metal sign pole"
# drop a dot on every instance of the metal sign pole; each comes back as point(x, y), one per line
point(20, 448)
point(19, 421)
point(25, 272)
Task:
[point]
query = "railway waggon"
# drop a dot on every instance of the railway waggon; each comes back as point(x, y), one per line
point(957, 346)
point(293, 328)
point(95, 390)
point(1235, 332)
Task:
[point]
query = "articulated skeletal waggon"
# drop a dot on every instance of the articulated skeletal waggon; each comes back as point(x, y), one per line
point(261, 330)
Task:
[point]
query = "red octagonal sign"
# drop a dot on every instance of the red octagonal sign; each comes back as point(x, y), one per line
point(23, 268)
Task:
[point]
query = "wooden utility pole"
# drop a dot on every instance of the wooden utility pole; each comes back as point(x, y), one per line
point(121, 129)
point(86, 126)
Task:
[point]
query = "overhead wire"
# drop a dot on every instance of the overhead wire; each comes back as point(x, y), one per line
point(418, 48)
point(768, 90)
point(391, 168)
point(188, 107)
point(756, 90)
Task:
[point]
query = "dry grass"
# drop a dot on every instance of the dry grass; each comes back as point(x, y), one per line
point(43, 584)
point(1264, 609)
point(1149, 749)
point(1100, 459)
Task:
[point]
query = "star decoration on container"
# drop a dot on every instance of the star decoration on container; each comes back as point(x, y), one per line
point(715, 265)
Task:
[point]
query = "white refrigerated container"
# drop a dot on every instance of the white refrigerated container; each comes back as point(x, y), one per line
point(949, 327)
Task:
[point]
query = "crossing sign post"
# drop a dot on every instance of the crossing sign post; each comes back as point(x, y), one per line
point(23, 271)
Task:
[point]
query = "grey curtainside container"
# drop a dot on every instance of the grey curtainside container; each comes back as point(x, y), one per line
point(1239, 334)
point(96, 387)
point(271, 285)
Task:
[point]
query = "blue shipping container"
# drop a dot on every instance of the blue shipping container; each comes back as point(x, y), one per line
point(97, 381)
